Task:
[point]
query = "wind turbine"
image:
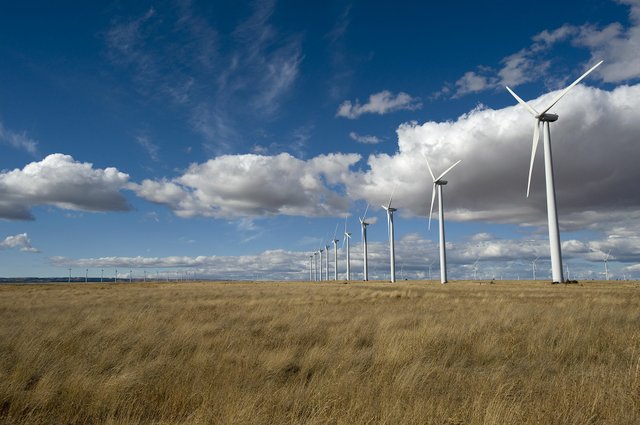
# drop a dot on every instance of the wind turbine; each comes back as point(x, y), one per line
point(606, 267)
point(533, 267)
point(311, 268)
point(392, 246)
point(347, 236)
point(335, 254)
point(475, 269)
point(552, 214)
point(326, 262)
point(363, 225)
point(320, 251)
point(315, 261)
point(437, 186)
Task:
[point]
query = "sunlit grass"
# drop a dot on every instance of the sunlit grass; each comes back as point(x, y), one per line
point(278, 353)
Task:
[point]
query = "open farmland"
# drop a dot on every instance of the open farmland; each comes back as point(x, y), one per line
point(320, 353)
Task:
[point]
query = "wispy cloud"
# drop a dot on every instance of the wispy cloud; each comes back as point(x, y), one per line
point(367, 140)
point(20, 241)
point(380, 103)
point(616, 44)
point(18, 140)
point(148, 146)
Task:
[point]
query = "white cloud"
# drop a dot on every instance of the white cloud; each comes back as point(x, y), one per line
point(380, 103)
point(21, 241)
point(616, 44)
point(232, 186)
point(61, 181)
point(367, 140)
point(18, 140)
point(594, 147)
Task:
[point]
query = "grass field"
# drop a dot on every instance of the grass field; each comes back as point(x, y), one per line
point(320, 353)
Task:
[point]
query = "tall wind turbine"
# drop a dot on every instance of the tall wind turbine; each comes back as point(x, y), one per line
point(363, 225)
point(315, 261)
point(335, 254)
point(552, 214)
point(347, 236)
point(311, 268)
point(606, 267)
point(437, 186)
point(475, 269)
point(392, 246)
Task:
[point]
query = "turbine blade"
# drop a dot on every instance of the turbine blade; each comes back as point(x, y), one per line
point(364, 216)
point(335, 232)
point(448, 169)
point(429, 167)
point(345, 223)
point(392, 192)
point(523, 103)
point(534, 147)
point(563, 92)
point(433, 198)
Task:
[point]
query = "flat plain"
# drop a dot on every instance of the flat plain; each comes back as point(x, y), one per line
point(320, 353)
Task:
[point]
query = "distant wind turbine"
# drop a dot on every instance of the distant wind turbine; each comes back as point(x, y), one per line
point(335, 253)
point(320, 251)
point(475, 269)
point(533, 267)
point(363, 225)
point(552, 214)
point(606, 267)
point(315, 261)
point(392, 247)
point(311, 268)
point(437, 186)
point(347, 236)
point(326, 262)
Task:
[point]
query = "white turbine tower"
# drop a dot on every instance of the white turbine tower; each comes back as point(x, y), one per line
point(347, 236)
point(335, 254)
point(552, 215)
point(437, 186)
point(606, 267)
point(475, 269)
point(315, 261)
point(320, 251)
point(392, 246)
point(363, 225)
point(326, 262)
point(533, 267)
point(311, 268)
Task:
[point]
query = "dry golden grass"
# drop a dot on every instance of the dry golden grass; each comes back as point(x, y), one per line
point(293, 353)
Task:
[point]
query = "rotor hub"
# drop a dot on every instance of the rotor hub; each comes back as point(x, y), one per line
point(548, 117)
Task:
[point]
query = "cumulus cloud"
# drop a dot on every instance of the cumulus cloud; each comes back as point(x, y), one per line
point(21, 241)
point(367, 140)
point(380, 103)
point(61, 181)
point(594, 148)
point(18, 140)
point(254, 185)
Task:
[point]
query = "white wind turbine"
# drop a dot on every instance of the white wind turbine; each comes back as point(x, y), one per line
point(326, 262)
point(363, 225)
point(475, 269)
point(392, 246)
point(552, 215)
point(437, 186)
point(533, 267)
point(606, 267)
point(321, 251)
point(315, 261)
point(310, 267)
point(347, 236)
point(335, 254)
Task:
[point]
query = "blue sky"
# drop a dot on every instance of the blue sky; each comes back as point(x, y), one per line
point(230, 138)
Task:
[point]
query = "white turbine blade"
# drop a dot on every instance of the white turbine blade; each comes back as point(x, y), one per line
point(392, 192)
point(448, 169)
point(364, 216)
point(523, 103)
point(345, 223)
point(335, 232)
point(433, 198)
point(534, 147)
point(607, 257)
point(563, 92)
point(429, 167)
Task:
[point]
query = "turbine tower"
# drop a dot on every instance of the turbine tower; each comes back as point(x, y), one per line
point(392, 246)
point(606, 267)
point(347, 236)
point(320, 251)
point(552, 214)
point(475, 269)
point(437, 187)
point(363, 225)
point(326, 262)
point(335, 253)
point(311, 268)
point(315, 261)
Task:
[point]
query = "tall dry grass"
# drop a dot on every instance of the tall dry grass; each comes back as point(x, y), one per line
point(293, 353)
